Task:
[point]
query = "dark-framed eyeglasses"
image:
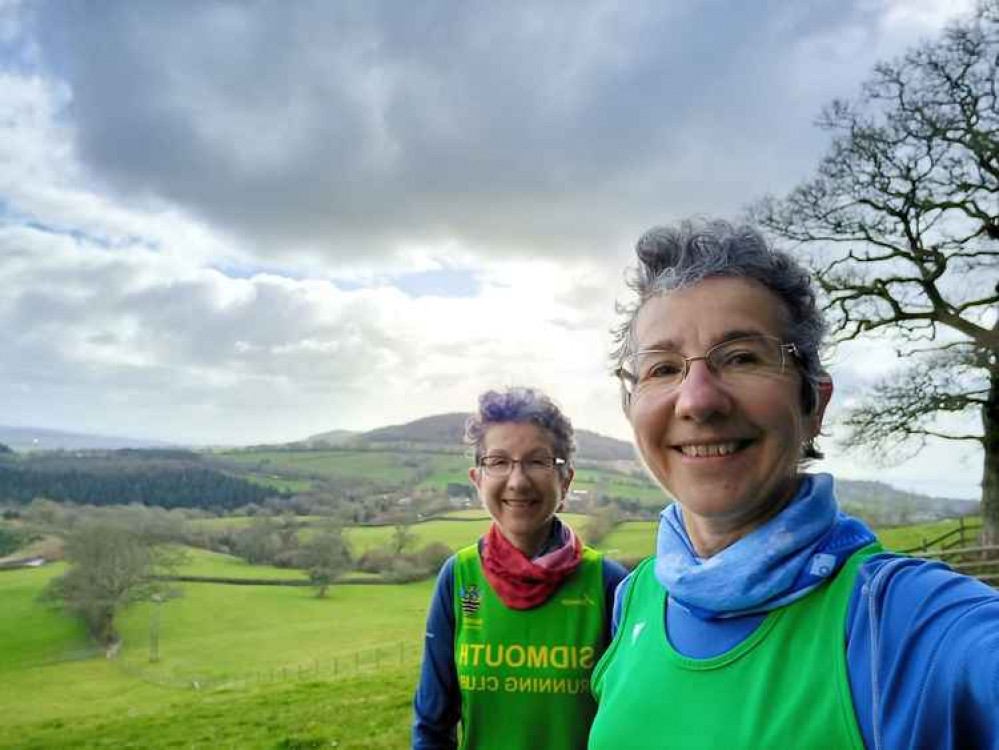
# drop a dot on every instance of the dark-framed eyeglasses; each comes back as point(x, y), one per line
point(736, 362)
point(535, 466)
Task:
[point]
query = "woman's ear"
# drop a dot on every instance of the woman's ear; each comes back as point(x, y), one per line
point(475, 477)
point(823, 393)
point(565, 482)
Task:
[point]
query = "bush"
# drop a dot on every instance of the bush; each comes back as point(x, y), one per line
point(405, 567)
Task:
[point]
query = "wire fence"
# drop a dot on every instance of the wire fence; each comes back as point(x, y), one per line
point(319, 669)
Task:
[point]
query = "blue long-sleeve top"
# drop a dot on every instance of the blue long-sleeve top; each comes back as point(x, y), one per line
point(922, 648)
point(437, 703)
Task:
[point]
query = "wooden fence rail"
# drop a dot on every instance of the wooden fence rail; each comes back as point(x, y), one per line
point(964, 534)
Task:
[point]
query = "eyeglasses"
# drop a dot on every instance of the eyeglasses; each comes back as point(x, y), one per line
point(534, 466)
point(736, 362)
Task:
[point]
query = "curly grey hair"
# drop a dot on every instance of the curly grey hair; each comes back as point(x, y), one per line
point(522, 405)
point(674, 258)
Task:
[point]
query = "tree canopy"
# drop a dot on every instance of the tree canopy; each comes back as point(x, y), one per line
point(902, 224)
point(111, 567)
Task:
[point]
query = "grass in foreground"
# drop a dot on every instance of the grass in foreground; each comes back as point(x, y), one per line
point(371, 711)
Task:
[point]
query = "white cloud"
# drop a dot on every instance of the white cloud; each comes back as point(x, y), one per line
point(237, 223)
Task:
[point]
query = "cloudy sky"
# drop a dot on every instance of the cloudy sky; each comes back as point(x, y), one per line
point(237, 222)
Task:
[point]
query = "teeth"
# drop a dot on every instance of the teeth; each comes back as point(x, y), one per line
point(711, 449)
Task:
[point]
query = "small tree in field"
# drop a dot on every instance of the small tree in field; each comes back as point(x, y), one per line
point(402, 536)
point(111, 567)
point(903, 218)
point(326, 556)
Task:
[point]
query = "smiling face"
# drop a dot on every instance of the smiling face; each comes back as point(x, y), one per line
point(522, 505)
point(728, 454)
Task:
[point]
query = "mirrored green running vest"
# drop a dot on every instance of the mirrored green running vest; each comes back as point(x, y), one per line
point(785, 687)
point(524, 675)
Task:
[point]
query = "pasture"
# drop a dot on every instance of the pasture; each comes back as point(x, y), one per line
point(416, 469)
point(242, 644)
point(242, 666)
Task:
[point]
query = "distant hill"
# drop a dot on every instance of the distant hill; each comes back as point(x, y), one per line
point(24, 439)
point(887, 505)
point(333, 437)
point(449, 430)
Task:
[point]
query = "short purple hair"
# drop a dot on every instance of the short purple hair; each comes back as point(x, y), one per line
point(522, 405)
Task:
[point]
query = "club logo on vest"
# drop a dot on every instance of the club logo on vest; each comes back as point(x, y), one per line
point(580, 601)
point(471, 600)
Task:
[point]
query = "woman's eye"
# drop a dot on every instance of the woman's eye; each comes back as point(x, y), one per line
point(743, 358)
point(664, 370)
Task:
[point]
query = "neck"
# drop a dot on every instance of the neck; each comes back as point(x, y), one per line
point(711, 535)
point(529, 544)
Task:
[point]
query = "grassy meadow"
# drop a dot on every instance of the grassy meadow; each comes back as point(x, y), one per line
point(238, 666)
point(243, 666)
point(288, 471)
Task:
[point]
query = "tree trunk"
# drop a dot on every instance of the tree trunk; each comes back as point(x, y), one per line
point(990, 478)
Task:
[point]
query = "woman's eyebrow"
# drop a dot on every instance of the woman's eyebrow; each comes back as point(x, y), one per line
point(671, 345)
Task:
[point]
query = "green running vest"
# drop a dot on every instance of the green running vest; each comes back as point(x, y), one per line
point(785, 687)
point(524, 675)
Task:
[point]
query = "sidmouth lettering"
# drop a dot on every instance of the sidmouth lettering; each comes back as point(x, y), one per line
point(515, 655)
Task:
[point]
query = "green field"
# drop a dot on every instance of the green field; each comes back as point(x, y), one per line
point(281, 484)
point(247, 648)
point(907, 537)
point(286, 470)
point(455, 533)
point(376, 466)
point(243, 667)
point(631, 539)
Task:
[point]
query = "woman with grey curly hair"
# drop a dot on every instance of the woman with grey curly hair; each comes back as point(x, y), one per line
point(517, 620)
point(767, 618)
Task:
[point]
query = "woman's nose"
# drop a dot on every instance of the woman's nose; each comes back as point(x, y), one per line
point(701, 396)
point(517, 475)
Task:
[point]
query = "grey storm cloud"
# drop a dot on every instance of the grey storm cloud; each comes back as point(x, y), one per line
point(348, 129)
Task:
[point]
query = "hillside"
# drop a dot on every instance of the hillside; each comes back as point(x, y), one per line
point(449, 430)
point(24, 439)
point(348, 470)
point(165, 478)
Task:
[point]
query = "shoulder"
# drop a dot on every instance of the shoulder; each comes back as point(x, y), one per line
point(923, 613)
point(906, 597)
point(923, 643)
point(444, 586)
point(897, 585)
point(614, 572)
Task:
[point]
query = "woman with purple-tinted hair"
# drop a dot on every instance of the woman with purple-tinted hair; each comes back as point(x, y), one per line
point(519, 619)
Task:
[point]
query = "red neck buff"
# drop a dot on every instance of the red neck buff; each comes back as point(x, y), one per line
point(522, 583)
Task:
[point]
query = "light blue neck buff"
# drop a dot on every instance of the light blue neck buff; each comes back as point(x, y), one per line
point(773, 565)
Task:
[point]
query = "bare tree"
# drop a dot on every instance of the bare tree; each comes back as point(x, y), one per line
point(903, 221)
point(403, 536)
point(326, 556)
point(111, 567)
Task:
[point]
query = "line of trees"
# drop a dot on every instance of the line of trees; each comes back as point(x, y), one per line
point(122, 481)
